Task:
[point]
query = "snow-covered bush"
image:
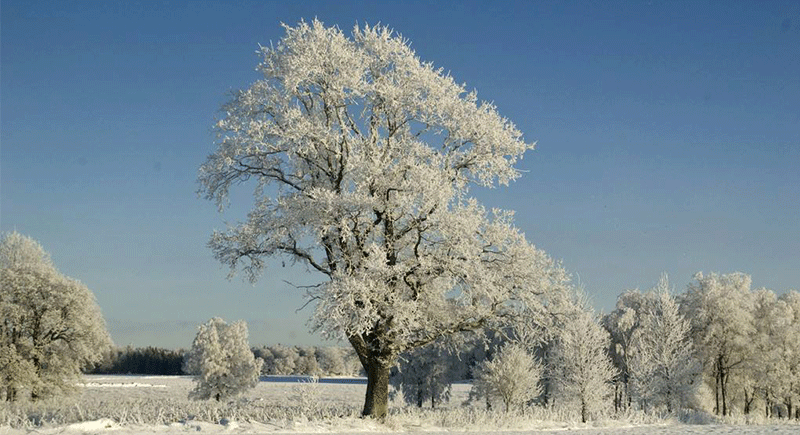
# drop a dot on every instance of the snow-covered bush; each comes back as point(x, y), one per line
point(51, 326)
point(512, 377)
point(307, 394)
point(221, 361)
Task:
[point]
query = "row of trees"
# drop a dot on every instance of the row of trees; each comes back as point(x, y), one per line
point(719, 342)
point(309, 360)
point(141, 361)
point(562, 364)
point(278, 360)
point(718, 347)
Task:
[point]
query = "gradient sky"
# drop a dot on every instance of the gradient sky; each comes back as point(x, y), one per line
point(668, 140)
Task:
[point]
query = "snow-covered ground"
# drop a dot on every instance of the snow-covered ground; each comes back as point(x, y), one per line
point(332, 407)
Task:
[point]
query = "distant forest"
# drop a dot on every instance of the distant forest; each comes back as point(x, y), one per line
point(278, 360)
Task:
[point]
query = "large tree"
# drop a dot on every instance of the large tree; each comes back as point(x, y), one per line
point(51, 326)
point(362, 157)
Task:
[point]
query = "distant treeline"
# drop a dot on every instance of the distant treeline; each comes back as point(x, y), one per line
point(278, 360)
point(141, 361)
point(309, 360)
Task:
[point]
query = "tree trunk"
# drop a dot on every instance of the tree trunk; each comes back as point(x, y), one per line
point(724, 375)
point(583, 410)
point(377, 362)
point(767, 404)
point(716, 390)
point(748, 400)
point(376, 402)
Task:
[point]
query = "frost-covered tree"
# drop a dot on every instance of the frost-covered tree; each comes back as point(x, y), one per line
point(362, 157)
point(512, 376)
point(331, 361)
point(622, 324)
point(789, 345)
point(720, 308)
point(774, 367)
point(765, 367)
point(579, 367)
point(221, 361)
point(286, 359)
point(664, 371)
point(51, 326)
point(425, 374)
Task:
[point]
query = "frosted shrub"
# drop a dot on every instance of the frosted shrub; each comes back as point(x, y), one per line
point(512, 376)
point(307, 394)
point(221, 361)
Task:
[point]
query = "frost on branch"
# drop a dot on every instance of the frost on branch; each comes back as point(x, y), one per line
point(363, 156)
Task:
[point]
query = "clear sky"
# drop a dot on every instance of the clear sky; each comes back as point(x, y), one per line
point(668, 140)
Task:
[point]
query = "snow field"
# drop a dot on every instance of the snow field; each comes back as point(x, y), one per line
point(131, 405)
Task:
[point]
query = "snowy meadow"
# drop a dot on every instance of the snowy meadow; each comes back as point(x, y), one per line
point(130, 404)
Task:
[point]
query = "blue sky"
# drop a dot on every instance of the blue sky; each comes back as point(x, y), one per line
point(668, 140)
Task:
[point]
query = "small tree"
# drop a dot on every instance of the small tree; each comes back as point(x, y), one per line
point(425, 373)
point(623, 324)
point(222, 361)
point(512, 376)
point(663, 367)
point(580, 368)
point(51, 326)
